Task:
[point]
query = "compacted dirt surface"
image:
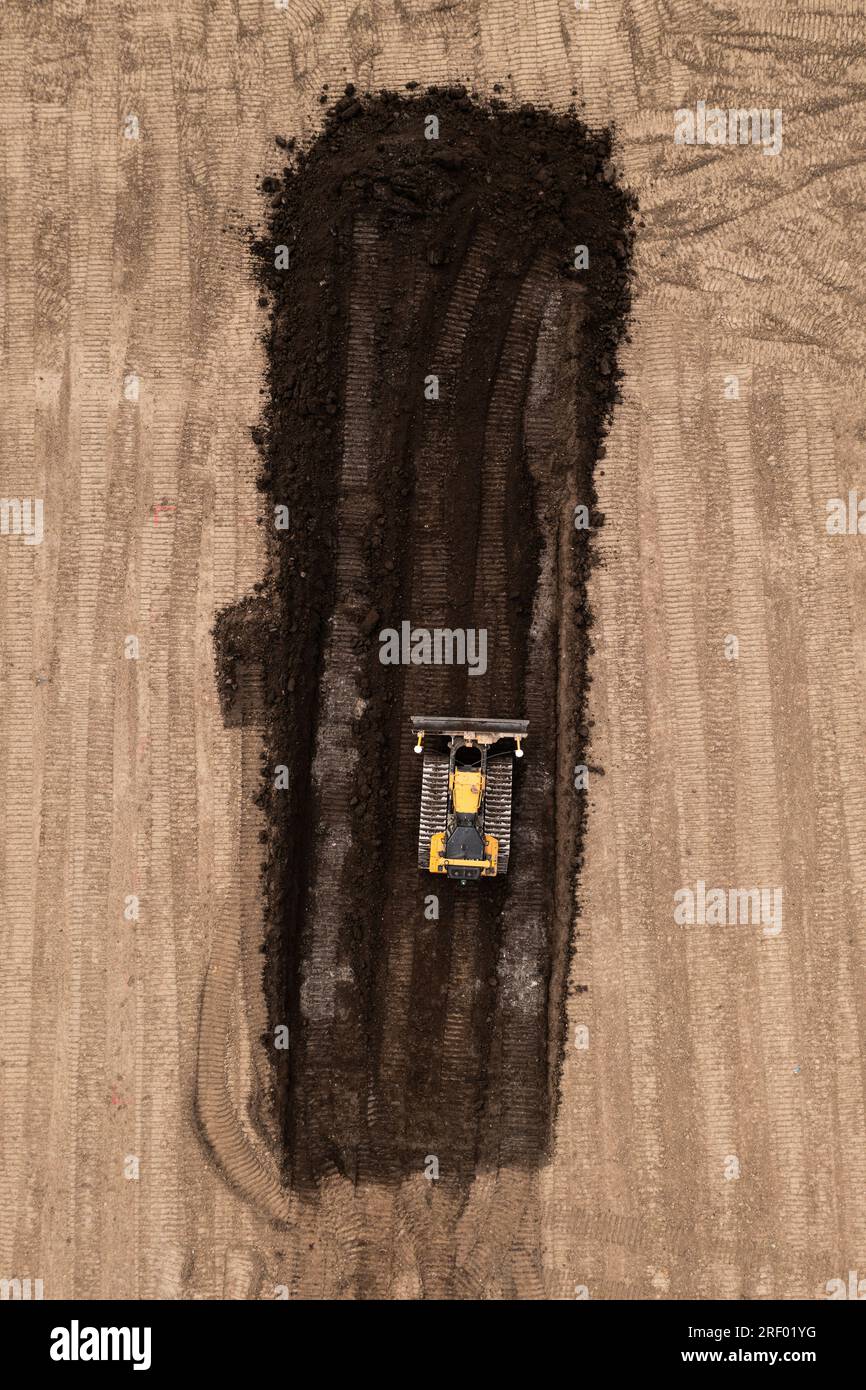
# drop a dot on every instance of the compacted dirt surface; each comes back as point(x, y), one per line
point(445, 314)
point(233, 1042)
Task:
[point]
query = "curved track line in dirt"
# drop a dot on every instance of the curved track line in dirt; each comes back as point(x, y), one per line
point(251, 1173)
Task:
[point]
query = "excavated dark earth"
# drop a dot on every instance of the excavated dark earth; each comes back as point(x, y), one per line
point(426, 1021)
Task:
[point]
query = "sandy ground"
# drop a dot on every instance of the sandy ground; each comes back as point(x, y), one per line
point(712, 1134)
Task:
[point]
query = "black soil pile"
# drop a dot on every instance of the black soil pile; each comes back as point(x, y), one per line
point(428, 1049)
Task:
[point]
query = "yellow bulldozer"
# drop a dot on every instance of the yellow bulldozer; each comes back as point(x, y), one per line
point(465, 829)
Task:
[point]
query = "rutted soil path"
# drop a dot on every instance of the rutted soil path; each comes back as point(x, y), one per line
point(441, 361)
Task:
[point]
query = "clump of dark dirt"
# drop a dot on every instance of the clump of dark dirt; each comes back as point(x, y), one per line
point(470, 233)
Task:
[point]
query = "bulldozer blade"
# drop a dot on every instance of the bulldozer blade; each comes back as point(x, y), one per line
point(468, 726)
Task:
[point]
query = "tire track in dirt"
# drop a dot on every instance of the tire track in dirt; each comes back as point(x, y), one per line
point(442, 576)
point(103, 540)
point(616, 960)
point(703, 1055)
point(557, 466)
point(21, 474)
point(49, 618)
point(336, 756)
point(460, 1080)
point(760, 861)
point(829, 947)
point(437, 573)
point(451, 944)
point(457, 1077)
point(520, 1063)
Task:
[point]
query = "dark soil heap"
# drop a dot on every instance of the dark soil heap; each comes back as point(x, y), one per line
point(490, 212)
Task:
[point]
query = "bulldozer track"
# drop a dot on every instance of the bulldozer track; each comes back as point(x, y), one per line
point(336, 754)
point(434, 802)
point(497, 806)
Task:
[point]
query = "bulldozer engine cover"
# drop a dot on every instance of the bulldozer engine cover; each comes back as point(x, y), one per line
point(461, 858)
